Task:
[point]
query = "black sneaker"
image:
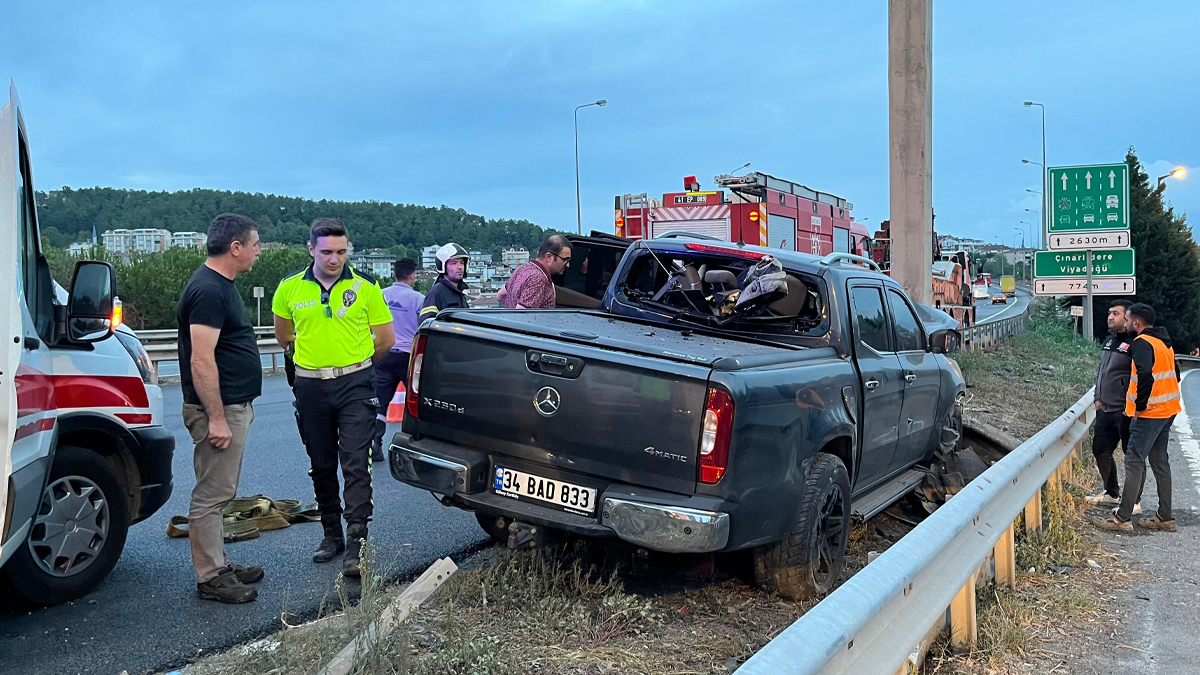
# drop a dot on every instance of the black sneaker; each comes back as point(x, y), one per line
point(226, 588)
point(247, 575)
point(377, 452)
point(329, 548)
point(355, 536)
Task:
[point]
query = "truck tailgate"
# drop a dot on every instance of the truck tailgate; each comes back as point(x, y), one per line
point(614, 414)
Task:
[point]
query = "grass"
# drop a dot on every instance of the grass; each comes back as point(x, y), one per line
point(1025, 382)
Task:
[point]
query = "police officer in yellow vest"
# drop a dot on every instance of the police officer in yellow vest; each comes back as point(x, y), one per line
point(1153, 402)
point(341, 325)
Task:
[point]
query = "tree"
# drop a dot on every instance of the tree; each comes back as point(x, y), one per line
point(1168, 263)
point(68, 215)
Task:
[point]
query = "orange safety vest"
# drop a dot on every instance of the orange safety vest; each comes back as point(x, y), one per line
point(1164, 397)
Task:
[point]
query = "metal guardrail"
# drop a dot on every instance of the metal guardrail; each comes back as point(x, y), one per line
point(161, 346)
point(879, 620)
point(988, 333)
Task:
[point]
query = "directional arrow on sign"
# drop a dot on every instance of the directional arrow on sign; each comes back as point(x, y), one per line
point(1100, 240)
point(1100, 286)
point(1112, 175)
point(1089, 180)
point(1064, 181)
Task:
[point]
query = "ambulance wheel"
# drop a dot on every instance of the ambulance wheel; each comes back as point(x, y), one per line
point(496, 526)
point(77, 534)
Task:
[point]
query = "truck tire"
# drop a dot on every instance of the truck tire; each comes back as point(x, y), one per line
point(78, 532)
point(807, 562)
point(496, 526)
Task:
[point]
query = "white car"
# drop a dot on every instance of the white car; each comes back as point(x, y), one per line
point(1089, 218)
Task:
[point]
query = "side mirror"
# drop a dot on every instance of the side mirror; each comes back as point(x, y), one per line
point(90, 303)
point(945, 341)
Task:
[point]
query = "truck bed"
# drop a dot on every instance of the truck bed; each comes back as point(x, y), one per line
point(629, 396)
point(679, 342)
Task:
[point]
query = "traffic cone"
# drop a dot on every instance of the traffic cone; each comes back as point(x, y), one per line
point(396, 407)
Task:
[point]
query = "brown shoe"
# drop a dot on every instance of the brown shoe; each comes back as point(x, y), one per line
point(1113, 524)
point(226, 588)
point(1156, 523)
point(247, 575)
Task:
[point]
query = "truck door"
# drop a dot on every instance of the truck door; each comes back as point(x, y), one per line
point(10, 308)
point(918, 424)
point(882, 383)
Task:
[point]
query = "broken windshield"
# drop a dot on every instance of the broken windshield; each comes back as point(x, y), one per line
point(748, 294)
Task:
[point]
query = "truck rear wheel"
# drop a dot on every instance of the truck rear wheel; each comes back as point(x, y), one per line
point(807, 563)
point(78, 532)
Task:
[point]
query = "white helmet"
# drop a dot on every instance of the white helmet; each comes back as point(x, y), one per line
point(449, 252)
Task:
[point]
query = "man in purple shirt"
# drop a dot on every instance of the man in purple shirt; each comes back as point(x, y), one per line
point(405, 304)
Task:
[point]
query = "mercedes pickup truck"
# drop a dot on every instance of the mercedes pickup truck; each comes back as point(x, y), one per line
point(721, 398)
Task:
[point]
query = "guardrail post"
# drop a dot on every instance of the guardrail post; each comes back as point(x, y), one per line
point(964, 630)
point(1005, 554)
point(1033, 513)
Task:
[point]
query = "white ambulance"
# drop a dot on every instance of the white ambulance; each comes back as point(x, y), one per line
point(83, 450)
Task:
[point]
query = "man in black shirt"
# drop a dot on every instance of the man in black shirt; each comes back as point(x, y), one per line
point(1112, 384)
point(221, 375)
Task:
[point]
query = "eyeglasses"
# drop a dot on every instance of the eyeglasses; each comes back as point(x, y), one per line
point(566, 261)
point(325, 301)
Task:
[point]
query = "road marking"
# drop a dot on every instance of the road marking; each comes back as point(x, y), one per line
point(995, 316)
point(1187, 441)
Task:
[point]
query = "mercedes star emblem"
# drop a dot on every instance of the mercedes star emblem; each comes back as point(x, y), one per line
point(547, 401)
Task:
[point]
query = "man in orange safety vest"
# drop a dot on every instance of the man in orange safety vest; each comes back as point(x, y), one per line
point(1153, 401)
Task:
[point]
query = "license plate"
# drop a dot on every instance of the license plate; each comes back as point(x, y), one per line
point(521, 485)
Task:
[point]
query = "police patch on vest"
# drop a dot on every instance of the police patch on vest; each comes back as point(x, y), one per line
point(349, 297)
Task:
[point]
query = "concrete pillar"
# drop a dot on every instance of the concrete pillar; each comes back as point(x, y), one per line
point(910, 126)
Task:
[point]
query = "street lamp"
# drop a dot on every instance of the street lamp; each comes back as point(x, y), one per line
point(578, 209)
point(744, 166)
point(1178, 173)
point(1042, 239)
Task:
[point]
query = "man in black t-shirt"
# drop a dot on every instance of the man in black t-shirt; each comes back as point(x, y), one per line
point(221, 375)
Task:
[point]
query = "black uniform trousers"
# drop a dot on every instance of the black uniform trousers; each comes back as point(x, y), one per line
point(1111, 428)
point(389, 373)
point(337, 421)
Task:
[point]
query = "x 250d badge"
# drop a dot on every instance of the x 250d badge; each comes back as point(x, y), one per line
point(547, 401)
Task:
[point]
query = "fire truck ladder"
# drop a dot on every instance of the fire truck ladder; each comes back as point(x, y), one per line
point(642, 204)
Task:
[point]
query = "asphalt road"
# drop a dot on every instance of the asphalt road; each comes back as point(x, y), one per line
point(146, 616)
point(1159, 610)
point(986, 311)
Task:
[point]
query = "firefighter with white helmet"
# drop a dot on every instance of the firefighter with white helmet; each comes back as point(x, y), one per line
point(449, 291)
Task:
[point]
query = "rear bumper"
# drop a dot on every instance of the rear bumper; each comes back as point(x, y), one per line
point(651, 519)
point(156, 448)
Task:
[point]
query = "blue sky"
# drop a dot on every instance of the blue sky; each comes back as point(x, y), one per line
point(470, 104)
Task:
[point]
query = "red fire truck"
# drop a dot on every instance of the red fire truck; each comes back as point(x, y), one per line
point(756, 209)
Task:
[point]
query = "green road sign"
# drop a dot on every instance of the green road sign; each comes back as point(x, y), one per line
point(1114, 263)
point(1094, 197)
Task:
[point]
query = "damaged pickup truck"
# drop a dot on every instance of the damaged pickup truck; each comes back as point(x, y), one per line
point(722, 398)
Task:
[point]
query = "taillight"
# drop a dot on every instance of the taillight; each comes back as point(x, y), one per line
point(714, 437)
point(412, 399)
